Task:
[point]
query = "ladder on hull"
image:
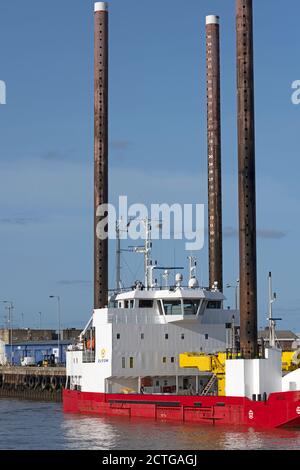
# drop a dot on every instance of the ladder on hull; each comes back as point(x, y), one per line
point(209, 385)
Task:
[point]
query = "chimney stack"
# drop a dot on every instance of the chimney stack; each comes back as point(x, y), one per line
point(247, 191)
point(100, 150)
point(214, 151)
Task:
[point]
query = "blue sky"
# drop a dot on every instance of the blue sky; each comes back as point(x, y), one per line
point(157, 143)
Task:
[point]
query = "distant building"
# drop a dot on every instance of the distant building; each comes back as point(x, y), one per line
point(37, 350)
point(71, 334)
point(286, 340)
point(34, 343)
point(27, 334)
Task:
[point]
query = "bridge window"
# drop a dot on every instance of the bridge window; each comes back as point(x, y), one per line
point(172, 307)
point(216, 304)
point(123, 363)
point(113, 304)
point(146, 303)
point(131, 362)
point(191, 307)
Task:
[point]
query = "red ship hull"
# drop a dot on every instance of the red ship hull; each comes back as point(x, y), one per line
point(281, 409)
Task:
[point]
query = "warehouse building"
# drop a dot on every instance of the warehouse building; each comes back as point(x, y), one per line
point(285, 339)
point(19, 335)
point(37, 351)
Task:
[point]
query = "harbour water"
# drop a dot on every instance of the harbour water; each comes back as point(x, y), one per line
point(43, 426)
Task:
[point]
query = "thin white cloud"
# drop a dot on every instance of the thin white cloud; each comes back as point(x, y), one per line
point(270, 234)
point(74, 283)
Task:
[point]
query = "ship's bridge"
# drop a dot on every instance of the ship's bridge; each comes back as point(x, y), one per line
point(172, 304)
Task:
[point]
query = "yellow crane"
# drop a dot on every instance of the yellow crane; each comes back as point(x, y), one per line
point(211, 363)
point(215, 365)
point(290, 360)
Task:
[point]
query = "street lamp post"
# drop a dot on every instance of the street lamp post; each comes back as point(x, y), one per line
point(236, 287)
point(59, 314)
point(10, 307)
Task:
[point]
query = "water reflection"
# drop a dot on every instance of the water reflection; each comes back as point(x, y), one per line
point(116, 433)
point(262, 439)
point(89, 433)
point(26, 425)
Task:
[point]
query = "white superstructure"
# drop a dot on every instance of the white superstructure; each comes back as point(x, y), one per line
point(137, 340)
point(248, 377)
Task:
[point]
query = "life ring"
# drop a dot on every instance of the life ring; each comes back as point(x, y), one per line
point(45, 382)
point(91, 344)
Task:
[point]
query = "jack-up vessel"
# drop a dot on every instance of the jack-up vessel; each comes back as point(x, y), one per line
point(128, 359)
